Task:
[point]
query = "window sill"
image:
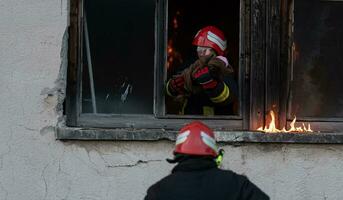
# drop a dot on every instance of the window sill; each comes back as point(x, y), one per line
point(72, 133)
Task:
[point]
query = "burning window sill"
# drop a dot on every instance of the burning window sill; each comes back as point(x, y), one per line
point(72, 133)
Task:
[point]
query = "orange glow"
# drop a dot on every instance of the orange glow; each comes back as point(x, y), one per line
point(174, 57)
point(171, 54)
point(271, 128)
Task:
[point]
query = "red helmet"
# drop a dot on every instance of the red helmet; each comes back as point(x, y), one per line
point(211, 36)
point(196, 139)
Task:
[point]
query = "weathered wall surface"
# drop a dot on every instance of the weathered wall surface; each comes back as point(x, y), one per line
point(33, 165)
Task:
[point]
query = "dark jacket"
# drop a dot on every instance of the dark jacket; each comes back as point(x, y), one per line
point(201, 179)
point(197, 101)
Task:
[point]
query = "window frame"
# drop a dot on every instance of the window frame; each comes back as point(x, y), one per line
point(265, 63)
point(158, 119)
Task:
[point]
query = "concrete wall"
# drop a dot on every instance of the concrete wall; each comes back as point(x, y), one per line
point(33, 165)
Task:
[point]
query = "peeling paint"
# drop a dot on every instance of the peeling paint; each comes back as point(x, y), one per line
point(59, 90)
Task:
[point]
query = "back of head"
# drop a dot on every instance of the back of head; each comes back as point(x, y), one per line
point(196, 139)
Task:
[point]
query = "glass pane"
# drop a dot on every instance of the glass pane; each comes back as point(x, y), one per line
point(121, 48)
point(185, 19)
point(317, 59)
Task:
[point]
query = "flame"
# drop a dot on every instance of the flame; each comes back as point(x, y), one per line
point(271, 128)
point(173, 56)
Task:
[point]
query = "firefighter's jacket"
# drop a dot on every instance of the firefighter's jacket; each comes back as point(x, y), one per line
point(201, 179)
point(217, 101)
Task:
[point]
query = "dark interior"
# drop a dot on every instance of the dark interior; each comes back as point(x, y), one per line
point(121, 38)
point(318, 60)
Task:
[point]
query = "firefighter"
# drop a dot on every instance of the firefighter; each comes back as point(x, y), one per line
point(206, 87)
point(197, 176)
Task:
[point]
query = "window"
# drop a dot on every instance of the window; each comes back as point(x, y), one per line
point(317, 59)
point(286, 56)
point(316, 64)
point(119, 62)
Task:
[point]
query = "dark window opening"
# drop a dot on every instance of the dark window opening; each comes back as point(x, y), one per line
point(119, 37)
point(185, 19)
point(317, 59)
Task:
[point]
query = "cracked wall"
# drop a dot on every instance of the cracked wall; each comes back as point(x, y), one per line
point(33, 165)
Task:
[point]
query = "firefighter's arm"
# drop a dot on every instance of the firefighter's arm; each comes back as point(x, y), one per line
point(218, 91)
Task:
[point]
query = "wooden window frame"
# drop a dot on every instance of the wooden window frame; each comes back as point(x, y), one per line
point(264, 73)
point(265, 78)
point(159, 119)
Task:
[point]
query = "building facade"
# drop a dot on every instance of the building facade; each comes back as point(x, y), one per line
point(38, 161)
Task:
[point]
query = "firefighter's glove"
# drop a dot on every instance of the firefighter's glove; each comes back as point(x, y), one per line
point(203, 77)
point(176, 86)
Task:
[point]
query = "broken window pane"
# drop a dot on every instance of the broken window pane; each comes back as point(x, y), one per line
point(120, 45)
point(317, 59)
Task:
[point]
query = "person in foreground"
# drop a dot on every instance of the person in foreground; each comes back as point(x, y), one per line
point(197, 176)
